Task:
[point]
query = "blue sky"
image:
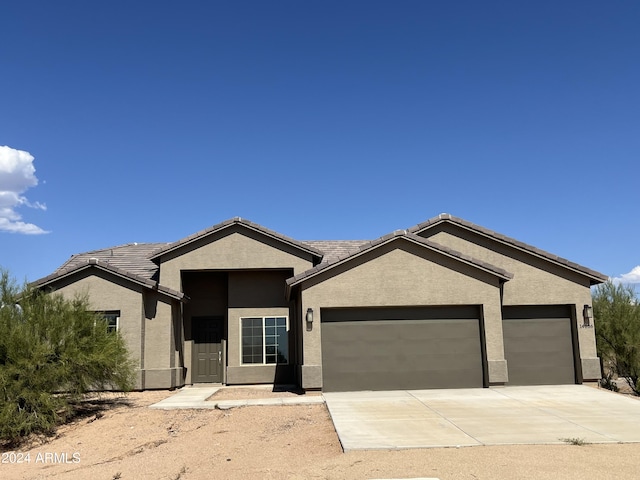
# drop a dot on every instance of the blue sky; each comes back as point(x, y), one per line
point(148, 121)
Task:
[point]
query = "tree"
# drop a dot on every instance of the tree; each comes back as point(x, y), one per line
point(53, 352)
point(617, 323)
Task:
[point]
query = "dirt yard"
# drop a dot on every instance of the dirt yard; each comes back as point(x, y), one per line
point(126, 440)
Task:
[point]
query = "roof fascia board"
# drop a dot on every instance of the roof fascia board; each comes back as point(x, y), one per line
point(503, 239)
point(148, 284)
point(428, 244)
point(227, 224)
point(463, 258)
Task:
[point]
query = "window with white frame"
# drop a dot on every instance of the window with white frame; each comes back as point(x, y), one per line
point(112, 318)
point(265, 340)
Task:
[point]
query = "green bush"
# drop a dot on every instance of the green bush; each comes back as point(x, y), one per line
point(53, 351)
point(617, 322)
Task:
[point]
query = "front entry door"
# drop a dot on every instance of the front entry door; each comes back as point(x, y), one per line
point(207, 349)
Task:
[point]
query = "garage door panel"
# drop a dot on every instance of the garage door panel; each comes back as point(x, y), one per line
point(539, 351)
point(400, 354)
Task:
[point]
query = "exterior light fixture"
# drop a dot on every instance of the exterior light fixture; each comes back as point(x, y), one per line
point(587, 315)
point(309, 315)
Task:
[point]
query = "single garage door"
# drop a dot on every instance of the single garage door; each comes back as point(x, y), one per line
point(538, 345)
point(401, 348)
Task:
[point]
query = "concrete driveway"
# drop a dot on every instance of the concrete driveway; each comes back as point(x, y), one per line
point(482, 416)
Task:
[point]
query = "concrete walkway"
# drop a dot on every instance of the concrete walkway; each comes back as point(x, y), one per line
point(483, 416)
point(196, 398)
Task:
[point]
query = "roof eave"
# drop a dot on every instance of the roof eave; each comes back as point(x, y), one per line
point(93, 263)
point(594, 277)
point(502, 275)
point(229, 223)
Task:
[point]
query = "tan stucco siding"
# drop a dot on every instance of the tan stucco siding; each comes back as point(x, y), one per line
point(253, 294)
point(258, 288)
point(159, 345)
point(233, 250)
point(404, 276)
point(236, 372)
point(163, 337)
point(105, 295)
point(146, 323)
point(536, 282)
point(207, 292)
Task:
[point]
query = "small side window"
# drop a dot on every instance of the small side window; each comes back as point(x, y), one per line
point(113, 320)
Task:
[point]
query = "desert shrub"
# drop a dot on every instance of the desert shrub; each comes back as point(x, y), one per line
point(607, 381)
point(617, 323)
point(53, 351)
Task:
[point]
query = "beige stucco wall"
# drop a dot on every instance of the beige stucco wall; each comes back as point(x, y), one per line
point(253, 294)
point(232, 295)
point(535, 282)
point(106, 294)
point(163, 342)
point(145, 323)
point(236, 372)
point(254, 266)
point(231, 249)
point(402, 274)
point(208, 297)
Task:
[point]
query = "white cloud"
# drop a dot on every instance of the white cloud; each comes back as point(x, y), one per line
point(632, 277)
point(17, 175)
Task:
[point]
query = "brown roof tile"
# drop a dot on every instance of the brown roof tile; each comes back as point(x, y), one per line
point(132, 257)
point(333, 249)
point(503, 274)
point(109, 267)
point(597, 277)
point(227, 223)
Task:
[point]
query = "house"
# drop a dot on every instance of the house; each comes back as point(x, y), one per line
point(443, 304)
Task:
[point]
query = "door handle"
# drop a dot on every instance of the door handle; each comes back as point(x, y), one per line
point(219, 357)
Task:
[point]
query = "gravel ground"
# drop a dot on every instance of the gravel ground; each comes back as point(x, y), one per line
point(129, 441)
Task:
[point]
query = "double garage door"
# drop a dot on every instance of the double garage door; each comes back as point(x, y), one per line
point(401, 348)
point(442, 347)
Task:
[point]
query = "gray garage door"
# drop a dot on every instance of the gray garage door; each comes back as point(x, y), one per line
point(401, 348)
point(538, 345)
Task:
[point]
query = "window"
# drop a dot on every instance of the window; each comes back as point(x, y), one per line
point(112, 319)
point(265, 340)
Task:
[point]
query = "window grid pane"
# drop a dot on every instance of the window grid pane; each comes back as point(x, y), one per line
point(265, 340)
point(112, 320)
point(252, 340)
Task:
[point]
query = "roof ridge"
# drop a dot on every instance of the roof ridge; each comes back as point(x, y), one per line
point(227, 223)
point(409, 236)
point(92, 261)
point(510, 241)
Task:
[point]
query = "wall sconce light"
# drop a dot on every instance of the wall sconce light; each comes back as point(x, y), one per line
point(309, 315)
point(587, 315)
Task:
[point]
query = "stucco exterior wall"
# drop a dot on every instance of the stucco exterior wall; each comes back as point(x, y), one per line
point(160, 343)
point(254, 294)
point(234, 248)
point(242, 374)
point(536, 282)
point(107, 293)
point(207, 292)
point(146, 324)
point(402, 274)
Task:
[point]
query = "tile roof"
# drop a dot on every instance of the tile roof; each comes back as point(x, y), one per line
point(333, 249)
point(136, 260)
point(227, 223)
point(499, 272)
point(445, 217)
point(101, 264)
point(132, 257)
